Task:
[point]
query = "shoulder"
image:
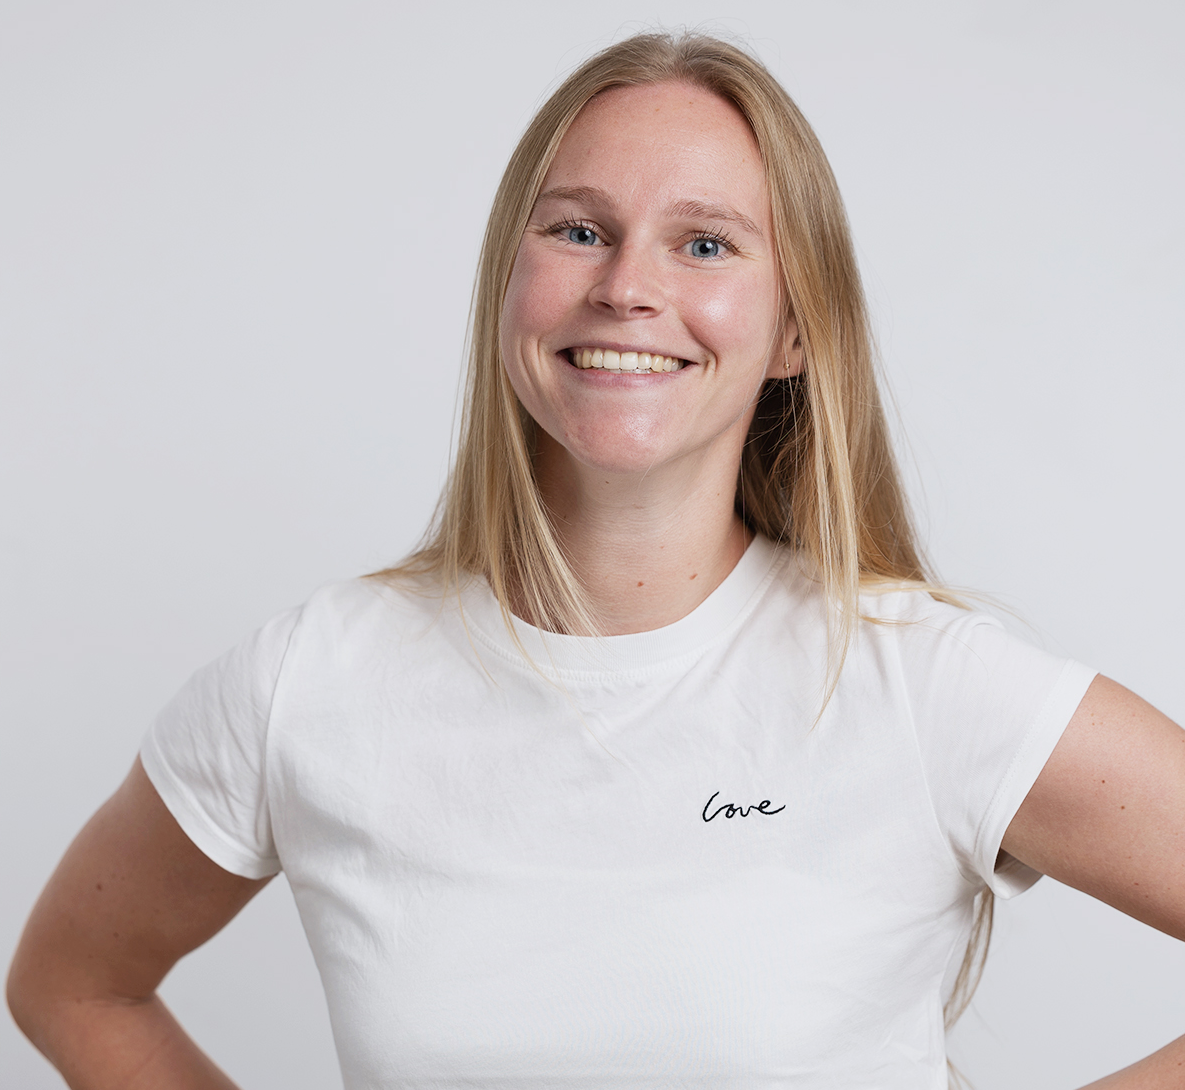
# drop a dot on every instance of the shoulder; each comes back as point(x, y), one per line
point(374, 604)
point(908, 639)
point(942, 644)
point(928, 633)
point(339, 618)
point(355, 631)
point(889, 614)
point(922, 607)
point(924, 626)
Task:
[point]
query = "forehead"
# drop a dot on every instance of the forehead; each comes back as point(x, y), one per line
point(661, 142)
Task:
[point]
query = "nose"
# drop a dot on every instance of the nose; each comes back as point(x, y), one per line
point(630, 284)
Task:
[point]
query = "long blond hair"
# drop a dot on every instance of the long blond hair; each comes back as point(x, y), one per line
point(817, 472)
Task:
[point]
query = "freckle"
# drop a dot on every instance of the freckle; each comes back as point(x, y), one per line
point(99, 886)
point(115, 934)
point(694, 574)
point(1123, 808)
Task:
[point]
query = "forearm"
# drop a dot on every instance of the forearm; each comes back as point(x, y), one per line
point(117, 1044)
point(1163, 1070)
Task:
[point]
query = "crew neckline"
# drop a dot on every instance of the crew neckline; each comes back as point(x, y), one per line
point(717, 615)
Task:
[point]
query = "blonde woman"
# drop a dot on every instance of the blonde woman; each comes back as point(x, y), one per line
point(664, 762)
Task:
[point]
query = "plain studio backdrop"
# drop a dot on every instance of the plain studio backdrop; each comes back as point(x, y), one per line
point(237, 243)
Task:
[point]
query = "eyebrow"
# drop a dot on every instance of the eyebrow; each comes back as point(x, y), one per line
point(688, 209)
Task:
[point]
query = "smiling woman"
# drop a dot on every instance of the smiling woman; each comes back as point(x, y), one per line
point(652, 239)
point(673, 580)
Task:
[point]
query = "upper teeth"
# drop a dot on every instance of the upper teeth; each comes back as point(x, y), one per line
point(623, 361)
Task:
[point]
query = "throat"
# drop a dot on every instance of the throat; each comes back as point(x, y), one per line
point(639, 582)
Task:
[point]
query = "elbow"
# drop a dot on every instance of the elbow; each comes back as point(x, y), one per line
point(42, 997)
point(21, 995)
point(29, 1001)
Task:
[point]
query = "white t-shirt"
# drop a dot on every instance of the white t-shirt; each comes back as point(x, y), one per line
point(639, 863)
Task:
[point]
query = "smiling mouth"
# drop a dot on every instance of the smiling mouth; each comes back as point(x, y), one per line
point(609, 360)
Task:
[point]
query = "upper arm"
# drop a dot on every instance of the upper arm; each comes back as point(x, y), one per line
point(1107, 813)
point(130, 897)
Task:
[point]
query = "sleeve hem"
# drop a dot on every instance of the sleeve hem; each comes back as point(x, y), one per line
point(1013, 876)
point(210, 840)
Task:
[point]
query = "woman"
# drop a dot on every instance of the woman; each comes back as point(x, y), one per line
point(662, 763)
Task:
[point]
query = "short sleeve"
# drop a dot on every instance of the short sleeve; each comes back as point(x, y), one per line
point(206, 752)
point(988, 710)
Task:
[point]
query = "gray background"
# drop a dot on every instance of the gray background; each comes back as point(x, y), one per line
point(236, 250)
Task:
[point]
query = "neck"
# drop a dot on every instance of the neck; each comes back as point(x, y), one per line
point(648, 550)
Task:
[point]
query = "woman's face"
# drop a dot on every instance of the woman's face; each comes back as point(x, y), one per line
point(652, 236)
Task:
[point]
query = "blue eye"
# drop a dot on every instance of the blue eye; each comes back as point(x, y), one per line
point(582, 236)
point(705, 247)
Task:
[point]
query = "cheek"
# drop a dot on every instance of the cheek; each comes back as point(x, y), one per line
point(720, 310)
point(538, 295)
point(520, 302)
point(531, 308)
point(738, 317)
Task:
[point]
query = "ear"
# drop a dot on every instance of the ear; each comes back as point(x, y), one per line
point(787, 359)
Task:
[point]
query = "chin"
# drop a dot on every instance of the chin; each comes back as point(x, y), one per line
point(623, 461)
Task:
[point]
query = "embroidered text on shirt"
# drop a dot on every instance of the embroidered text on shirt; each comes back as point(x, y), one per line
point(730, 810)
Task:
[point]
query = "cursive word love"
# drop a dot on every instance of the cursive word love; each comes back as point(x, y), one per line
point(730, 810)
